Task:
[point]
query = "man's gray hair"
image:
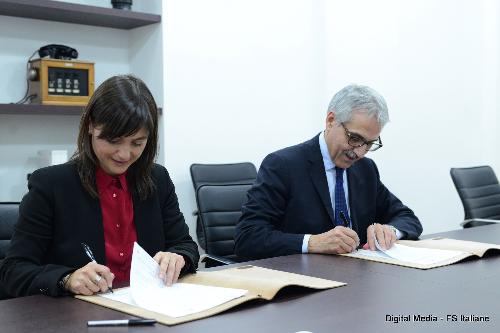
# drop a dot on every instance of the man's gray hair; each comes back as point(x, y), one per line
point(360, 99)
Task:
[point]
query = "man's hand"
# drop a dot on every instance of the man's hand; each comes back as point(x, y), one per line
point(386, 237)
point(170, 266)
point(334, 241)
point(90, 279)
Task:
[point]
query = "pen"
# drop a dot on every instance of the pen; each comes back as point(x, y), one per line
point(346, 224)
point(344, 219)
point(121, 322)
point(89, 254)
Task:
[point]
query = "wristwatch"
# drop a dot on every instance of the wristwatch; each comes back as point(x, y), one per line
point(62, 282)
point(393, 228)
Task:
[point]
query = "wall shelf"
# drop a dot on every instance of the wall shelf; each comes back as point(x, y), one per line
point(38, 109)
point(79, 14)
point(34, 109)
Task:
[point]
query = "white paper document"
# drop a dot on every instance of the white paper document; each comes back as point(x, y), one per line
point(423, 256)
point(148, 291)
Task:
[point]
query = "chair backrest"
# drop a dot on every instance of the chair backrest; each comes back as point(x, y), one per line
point(219, 209)
point(479, 191)
point(219, 174)
point(9, 212)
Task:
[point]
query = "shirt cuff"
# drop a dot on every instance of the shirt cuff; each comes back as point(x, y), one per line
point(399, 234)
point(305, 243)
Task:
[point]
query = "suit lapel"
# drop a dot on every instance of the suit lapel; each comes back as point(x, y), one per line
point(318, 176)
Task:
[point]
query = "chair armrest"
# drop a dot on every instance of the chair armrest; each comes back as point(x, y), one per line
point(477, 222)
point(211, 260)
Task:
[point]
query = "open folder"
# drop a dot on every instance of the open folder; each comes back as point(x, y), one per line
point(426, 253)
point(199, 295)
point(260, 283)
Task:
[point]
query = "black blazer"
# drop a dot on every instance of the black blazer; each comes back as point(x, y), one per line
point(290, 198)
point(57, 214)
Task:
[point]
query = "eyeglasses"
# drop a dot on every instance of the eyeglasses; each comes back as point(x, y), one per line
point(357, 141)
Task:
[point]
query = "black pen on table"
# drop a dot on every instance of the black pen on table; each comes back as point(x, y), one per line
point(121, 322)
point(89, 254)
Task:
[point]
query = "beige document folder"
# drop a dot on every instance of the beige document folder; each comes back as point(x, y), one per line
point(261, 283)
point(466, 249)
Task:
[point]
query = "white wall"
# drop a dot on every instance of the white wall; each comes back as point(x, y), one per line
point(436, 64)
point(244, 78)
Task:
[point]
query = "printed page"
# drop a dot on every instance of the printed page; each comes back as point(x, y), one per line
point(414, 255)
point(476, 248)
point(148, 291)
point(374, 254)
point(121, 295)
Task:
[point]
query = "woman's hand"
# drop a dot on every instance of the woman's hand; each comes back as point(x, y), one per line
point(90, 279)
point(170, 266)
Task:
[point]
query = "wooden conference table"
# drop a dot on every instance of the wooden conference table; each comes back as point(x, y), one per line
point(374, 293)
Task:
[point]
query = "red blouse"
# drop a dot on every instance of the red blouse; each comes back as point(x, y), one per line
point(118, 221)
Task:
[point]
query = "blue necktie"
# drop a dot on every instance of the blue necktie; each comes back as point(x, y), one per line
point(340, 203)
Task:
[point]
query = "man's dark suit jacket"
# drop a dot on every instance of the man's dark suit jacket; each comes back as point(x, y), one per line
point(290, 198)
point(58, 214)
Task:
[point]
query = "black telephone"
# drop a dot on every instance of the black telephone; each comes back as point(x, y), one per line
point(56, 51)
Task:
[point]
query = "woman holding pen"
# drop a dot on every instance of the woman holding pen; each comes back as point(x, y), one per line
point(79, 220)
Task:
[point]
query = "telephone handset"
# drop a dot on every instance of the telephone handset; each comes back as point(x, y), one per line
point(57, 51)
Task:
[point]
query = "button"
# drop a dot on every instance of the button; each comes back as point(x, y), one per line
point(114, 195)
point(117, 225)
point(121, 254)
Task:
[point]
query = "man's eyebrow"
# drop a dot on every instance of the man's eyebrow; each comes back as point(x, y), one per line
point(362, 137)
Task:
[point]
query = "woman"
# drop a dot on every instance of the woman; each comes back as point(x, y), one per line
point(109, 195)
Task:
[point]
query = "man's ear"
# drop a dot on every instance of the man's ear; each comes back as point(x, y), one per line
point(330, 119)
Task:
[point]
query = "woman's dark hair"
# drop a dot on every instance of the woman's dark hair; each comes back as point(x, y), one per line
point(121, 106)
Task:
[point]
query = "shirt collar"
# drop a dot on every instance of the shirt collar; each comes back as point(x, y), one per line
point(327, 160)
point(104, 181)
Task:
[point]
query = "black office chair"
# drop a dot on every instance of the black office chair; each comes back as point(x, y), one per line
point(9, 213)
point(219, 174)
point(223, 174)
point(479, 191)
point(219, 209)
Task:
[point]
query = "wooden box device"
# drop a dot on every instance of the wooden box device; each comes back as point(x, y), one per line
point(60, 82)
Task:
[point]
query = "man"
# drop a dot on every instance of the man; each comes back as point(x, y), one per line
point(304, 202)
